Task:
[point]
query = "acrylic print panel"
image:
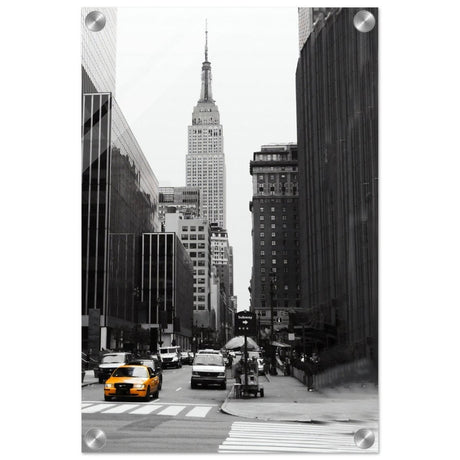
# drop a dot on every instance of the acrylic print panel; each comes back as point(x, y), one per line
point(229, 165)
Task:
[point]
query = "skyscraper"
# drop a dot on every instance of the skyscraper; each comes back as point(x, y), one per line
point(205, 162)
point(337, 134)
point(119, 197)
point(275, 284)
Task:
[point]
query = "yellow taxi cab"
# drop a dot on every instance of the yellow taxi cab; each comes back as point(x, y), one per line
point(132, 381)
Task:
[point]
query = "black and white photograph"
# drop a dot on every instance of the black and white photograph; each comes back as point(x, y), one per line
point(229, 230)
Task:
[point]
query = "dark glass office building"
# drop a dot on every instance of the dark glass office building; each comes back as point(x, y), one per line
point(166, 290)
point(119, 199)
point(337, 107)
point(119, 203)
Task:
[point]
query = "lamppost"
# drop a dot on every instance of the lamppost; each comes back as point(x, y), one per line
point(258, 328)
point(272, 301)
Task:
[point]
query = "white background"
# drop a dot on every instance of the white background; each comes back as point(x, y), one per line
point(40, 250)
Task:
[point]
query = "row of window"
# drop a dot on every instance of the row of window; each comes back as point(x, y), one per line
point(185, 236)
point(273, 209)
point(272, 176)
point(192, 228)
point(285, 234)
point(195, 245)
point(210, 131)
point(285, 261)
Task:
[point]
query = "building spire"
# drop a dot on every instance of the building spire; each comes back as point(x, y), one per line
point(206, 91)
point(206, 45)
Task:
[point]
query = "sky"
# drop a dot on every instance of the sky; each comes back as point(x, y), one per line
point(253, 54)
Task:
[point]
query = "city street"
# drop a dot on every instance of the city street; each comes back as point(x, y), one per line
point(183, 420)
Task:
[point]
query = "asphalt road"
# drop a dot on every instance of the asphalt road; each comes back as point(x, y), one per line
point(180, 420)
point(183, 420)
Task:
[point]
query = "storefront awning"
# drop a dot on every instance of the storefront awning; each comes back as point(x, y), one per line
point(281, 345)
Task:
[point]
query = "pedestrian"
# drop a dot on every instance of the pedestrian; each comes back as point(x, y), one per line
point(230, 361)
point(253, 366)
point(238, 371)
point(266, 365)
point(287, 369)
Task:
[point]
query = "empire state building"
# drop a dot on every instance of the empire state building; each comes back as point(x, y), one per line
point(205, 160)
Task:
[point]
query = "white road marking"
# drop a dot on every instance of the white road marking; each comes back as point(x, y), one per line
point(289, 437)
point(171, 410)
point(148, 409)
point(120, 408)
point(199, 411)
point(96, 408)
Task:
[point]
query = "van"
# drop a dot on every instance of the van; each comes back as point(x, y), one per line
point(170, 357)
point(208, 369)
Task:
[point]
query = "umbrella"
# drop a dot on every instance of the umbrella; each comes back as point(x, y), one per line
point(238, 342)
point(281, 345)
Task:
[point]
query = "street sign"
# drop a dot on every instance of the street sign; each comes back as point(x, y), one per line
point(245, 323)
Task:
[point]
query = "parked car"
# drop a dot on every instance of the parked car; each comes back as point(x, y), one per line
point(132, 381)
point(208, 369)
point(109, 362)
point(208, 351)
point(170, 357)
point(154, 364)
point(185, 357)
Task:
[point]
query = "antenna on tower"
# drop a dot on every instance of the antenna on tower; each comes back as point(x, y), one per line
point(206, 46)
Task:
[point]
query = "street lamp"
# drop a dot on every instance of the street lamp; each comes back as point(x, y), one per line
point(272, 289)
point(258, 327)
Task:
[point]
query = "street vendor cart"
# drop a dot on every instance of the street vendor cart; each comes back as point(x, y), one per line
point(249, 382)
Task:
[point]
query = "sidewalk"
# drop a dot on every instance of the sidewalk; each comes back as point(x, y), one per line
point(89, 378)
point(287, 399)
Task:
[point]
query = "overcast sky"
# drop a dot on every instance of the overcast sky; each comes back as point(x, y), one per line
point(253, 53)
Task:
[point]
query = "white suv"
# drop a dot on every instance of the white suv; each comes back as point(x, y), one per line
point(170, 357)
point(208, 369)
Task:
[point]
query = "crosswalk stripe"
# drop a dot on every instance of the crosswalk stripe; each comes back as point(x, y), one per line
point(120, 408)
point(145, 409)
point(96, 408)
point(171, 410)
point(283, 436)
point(199, 412)
point(148, 409)
point(253, 437)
